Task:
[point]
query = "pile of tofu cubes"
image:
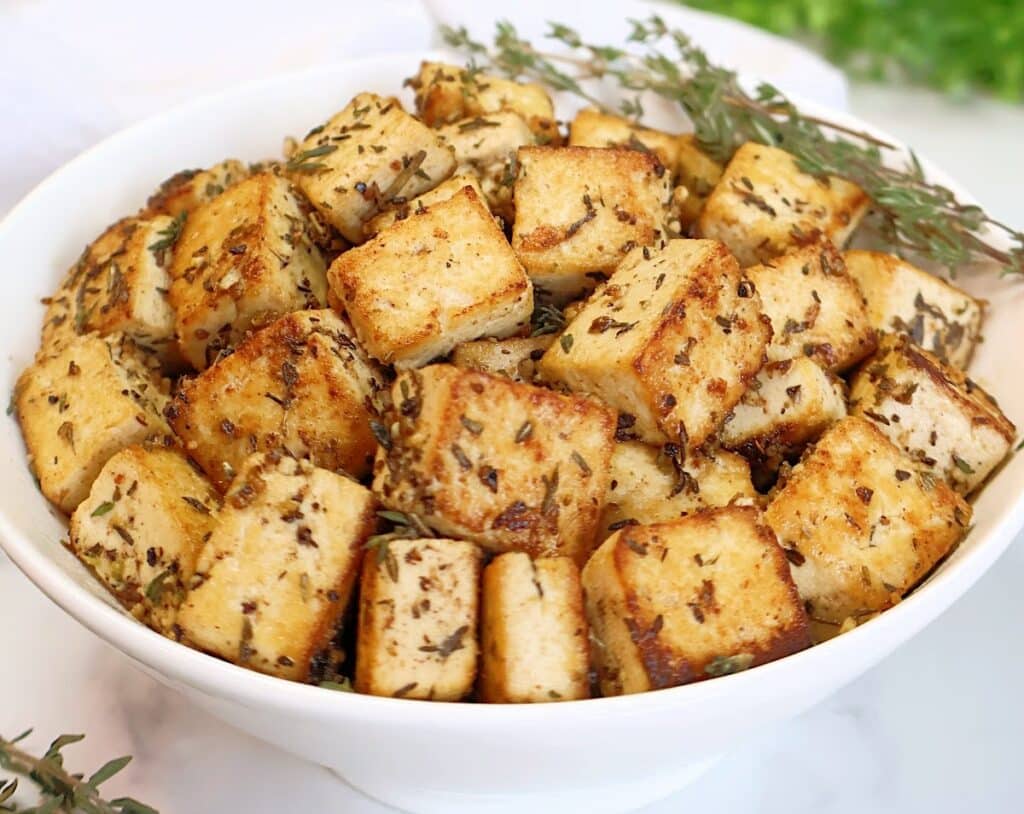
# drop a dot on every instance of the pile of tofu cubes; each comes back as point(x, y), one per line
point(453, 406)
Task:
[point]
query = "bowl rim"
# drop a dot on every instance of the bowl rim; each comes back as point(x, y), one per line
point(221, 679)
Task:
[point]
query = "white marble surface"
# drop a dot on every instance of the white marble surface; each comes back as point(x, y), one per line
point(934, 728)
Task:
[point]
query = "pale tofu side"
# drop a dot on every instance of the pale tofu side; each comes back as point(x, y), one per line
point(944, 421)
point(514, 358)
point(510, 466)
point(79, 405)
point(764, 205)
point(147, 517)
point(400, 208)
point(788, 405)
point(120, 284)
point(301, 385)
point(278, 572)
point(594, 128)
point(436, 279)
point(816, 308)
point(672, 341)
point(698, 173)
point(446, 93)
point(579, 212)
point(356, 163)
point(188, 189)
point(904, 299)
point(696, 598)
point(651, 484)
point(487, 146)
point(418, 609)
point(243, 259)
point(533, 638)
point(860, 524)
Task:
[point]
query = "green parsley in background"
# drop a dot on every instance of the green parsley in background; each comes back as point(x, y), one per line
point(957, 46)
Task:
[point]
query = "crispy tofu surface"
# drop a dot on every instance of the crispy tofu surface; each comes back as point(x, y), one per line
point(187, 190)
point(514, 358)
point(276, 575)
point(698, 173)
point(593, 128)
point(418, 609)
point(534, 638)
point(672, 341)
point(691, 599)
point(401, 209)
point(510, 466)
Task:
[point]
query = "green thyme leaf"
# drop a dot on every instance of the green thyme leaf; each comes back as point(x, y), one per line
point(104, 508)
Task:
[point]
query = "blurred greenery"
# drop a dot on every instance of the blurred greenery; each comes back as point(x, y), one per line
point(959, 47)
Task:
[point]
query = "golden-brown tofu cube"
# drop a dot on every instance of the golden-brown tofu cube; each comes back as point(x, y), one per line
point(361, 159)
point(902, 298)
point(188, 189)
point(120, 284)
point(79, 405)
point(860, 524)
point(533, 631)
point(651, 484)
point(594, 128)
point(243, 259)
point(514, 358)
point(278, 572)
point(400, 209)
point(418, 602)
point(765, 205)
point(510, 466)
point(436, 279)
point(695, 598)
point(446, 93)
point(698, 173)
point(672, 340)
point(141, 529)
point(301, 385)
point(933, 412)
point(487, 146)
point(579, 212)
point(788, 405)
point(816, 308)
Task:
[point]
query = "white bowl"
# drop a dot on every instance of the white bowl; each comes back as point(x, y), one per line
point(607, 754)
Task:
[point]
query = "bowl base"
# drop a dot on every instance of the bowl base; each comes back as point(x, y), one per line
point(613, 798)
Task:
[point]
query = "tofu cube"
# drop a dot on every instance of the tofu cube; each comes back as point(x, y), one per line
point(188, 189)
point(944, 421)
point(764, 205)
point(418, 605)
point(243, 259)
point(364, 157)
point(120, 284)
point(902, 298)
point(487, 147)
point(860, 524)
point(672, 340)
point(534, 639)
point(816, 308)
point(593, 128)
point(277, 574)
point(653, 485)
point(510, 466)
point(400, 209)
point(300, 385)
point(698, 173)
point(579, 212)
point(80, 404)
point(695, 598)
point(432, 281)
point(147, 517)
point(788, 405)
point(514, 358)
point(447, 93)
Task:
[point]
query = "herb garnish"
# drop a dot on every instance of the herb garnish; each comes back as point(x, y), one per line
point(169, 235)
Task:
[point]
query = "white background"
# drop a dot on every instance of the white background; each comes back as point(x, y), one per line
point(934, 728)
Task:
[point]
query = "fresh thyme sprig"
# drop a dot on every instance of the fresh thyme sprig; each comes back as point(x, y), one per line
point(62, 791)
point(916, 215)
